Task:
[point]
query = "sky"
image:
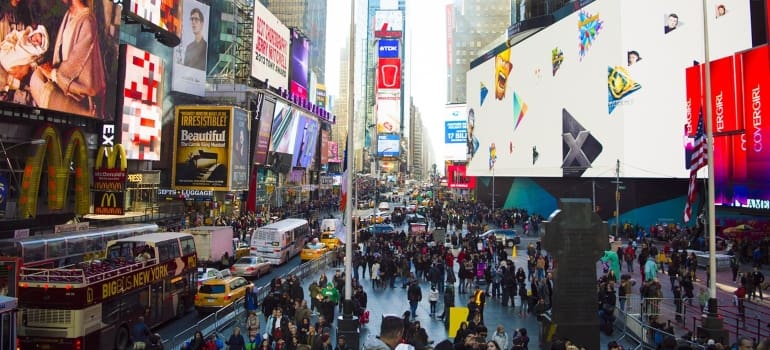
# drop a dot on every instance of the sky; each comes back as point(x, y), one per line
point(426, 39)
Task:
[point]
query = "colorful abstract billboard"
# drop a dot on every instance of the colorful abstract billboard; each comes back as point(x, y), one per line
point(190, 56)
point(73, 67)
point(455, 132)
point(388, 145)
point(621, 83)
point(239, 154)
point(142, 104)
point(163, 14)
point(270, 59)
point(389, 73)
point(388, 112)
point(202, 145)
point(300, 59)
point(456, 178)
point(305, 141)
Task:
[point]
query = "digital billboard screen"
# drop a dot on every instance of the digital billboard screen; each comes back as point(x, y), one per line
point(142, 104)
point(239, 154)
point(190, 56)
point(388, 48)
point(456, 178)
point(324, 147)
point(202, 146)
point(388, 112)
point(61, 62)
point(389, 73)
point(300, 55)
point(455, 132)
point(270, 56)
point(305, 141)
point(164, 14)
point(284, 128)
point(555, 106)
point(388, 145)
point(262, 131)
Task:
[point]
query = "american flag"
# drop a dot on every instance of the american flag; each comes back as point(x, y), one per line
point(697, 162)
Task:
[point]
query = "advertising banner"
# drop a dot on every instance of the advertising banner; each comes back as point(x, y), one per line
point(239, 156)
point(388, 166)
point(320, 95)
point(694, 98)
point(202, 138)
point(455, 131)
point(142, 104)
point(388, 48)
point(270, 59)
point(109, 203)
point(305, 141)
point(456, 178)
point(756, 96)
point(88, 61)
point(725, 116)
point(324, 147)
point(263, 129)
point(388, 112)
point(190, 56)
point(388, 145)
point(298, 70)
point(284, 128)
point(389, 73)
point(388, 24)
point(164, 14)
point(109, 180)
point(334, 152)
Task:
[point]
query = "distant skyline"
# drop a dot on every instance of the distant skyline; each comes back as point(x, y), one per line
point(425, 72)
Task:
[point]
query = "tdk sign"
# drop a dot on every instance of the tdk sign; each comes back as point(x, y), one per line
point(388, 48)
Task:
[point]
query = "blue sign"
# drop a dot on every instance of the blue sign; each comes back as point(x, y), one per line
point(456, 131)
point(388, 145)
point(3, 192)
point(388, 48)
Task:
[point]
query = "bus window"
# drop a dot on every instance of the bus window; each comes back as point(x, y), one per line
point(175, 249)
point(164, 251)
point(33, 251)
point(188, 245)
point(94, 243)
point(10, 248)
point(76, 245)
point(56, 248)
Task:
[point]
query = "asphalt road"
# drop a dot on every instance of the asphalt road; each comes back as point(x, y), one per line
point(174, 327)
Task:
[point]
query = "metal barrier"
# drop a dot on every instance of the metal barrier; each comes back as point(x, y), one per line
point(235, 312)
point(645, 336)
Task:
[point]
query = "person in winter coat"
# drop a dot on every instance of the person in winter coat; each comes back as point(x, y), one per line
point(197, 342)
point(236, 341)
point(155, 342)
point(501, 337)
point(433, 300)
point(414, 294)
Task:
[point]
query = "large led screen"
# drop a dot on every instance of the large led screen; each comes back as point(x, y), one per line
point(456, 178)
point(388, 112)
point(190, 56)
point(324, 147)
point(239, 154)
point(597, 87)
point(59, 61)
point(388, 145)
point(305, 141)
point(389, 73)
point(455, 132)
point(270, 58)
point(142, 104)
point(263, 130)
point(300, 55)
point(284, 128)
point(165, 14)
point(202, 145)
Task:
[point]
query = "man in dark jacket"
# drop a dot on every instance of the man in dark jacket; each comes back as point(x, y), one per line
point(414, 294)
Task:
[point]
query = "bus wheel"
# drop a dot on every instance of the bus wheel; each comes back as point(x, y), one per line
point(122, 339)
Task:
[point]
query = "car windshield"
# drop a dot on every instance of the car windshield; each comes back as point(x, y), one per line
point(212, 289)
point(312, 245)
point(245, 261)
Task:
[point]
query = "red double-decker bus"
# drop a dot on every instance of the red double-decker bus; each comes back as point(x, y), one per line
point(94, 304)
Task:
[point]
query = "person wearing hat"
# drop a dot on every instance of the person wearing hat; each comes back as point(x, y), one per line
point(391, 332)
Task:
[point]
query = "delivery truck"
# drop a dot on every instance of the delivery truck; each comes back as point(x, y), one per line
point(214, 245)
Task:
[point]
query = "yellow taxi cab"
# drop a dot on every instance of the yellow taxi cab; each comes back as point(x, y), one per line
point(313, 250)
point(215, 294)
point(330, 239)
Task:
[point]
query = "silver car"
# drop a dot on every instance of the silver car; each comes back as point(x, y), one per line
point(251, 266)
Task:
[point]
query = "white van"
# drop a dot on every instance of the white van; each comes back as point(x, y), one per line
point(384, 207)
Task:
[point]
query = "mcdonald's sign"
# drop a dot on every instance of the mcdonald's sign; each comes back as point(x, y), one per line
point(108, 203)
point(56, 157)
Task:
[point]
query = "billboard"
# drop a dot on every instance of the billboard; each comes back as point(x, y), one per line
point(300, 59)
point(455, 132)
point(617, 82)
point(305, 140)
point(388, 48)
point(388, 24)
point(388, 145)
point(261, 131)
point(320, 95)
point(389, 73)
point(334, 152)
point(202, 145)
point(164, 14)
point(456, 178)
point(284, 128)
point(270, 59)
point(72, 69)
point(142, 104)
point(190, 56)
point(324, 147)
point(239, 154)
point(388, 112)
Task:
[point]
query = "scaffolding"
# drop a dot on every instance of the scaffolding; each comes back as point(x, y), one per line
point(233, 65)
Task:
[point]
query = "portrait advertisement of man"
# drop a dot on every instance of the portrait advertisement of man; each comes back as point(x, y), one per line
point(66, 56)
point(672, 22)
point(190, 56)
